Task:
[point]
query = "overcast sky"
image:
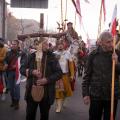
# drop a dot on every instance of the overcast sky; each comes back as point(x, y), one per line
point(90, 15)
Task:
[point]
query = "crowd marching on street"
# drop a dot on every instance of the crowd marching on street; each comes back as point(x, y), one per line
point(52, 70)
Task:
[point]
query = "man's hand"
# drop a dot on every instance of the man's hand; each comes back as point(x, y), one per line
point(86, 100)
point(37, 73)
point(42, 81)
point(115, 57)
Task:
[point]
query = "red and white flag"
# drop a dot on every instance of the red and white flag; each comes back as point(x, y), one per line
point(104, 9)
point(77, 6)
point(17, 73)
point(113, 22)
point(79, 9)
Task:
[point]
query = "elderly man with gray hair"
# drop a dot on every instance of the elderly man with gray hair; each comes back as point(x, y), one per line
point(96, 86)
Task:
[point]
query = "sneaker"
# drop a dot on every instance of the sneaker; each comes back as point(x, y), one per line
point(3, 97)
point(13, 103)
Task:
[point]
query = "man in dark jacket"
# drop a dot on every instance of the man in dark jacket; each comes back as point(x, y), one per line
point(96, 86)
point(52, 73)
point(10, 61)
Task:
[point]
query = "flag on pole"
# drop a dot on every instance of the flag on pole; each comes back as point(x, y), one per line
point(114, 22)
point(102, 11)
point(79, 9)
point(113, 31)
point(77, 6)
point(100, 19)
point(17, 73)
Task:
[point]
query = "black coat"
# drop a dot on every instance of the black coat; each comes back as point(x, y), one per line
point(98, 75)
point(52, 73)
point(11, 57)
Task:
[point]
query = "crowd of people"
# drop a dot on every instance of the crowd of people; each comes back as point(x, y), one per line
point(51, 72)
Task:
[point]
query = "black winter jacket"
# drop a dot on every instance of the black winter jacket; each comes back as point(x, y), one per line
point(52, 73)
point(98, 75)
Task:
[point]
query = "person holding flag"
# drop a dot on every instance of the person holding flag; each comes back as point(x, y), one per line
point(97, 80)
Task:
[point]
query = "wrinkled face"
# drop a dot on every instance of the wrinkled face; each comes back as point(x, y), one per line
point(107, 45)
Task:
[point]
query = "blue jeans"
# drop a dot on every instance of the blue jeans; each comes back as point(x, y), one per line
point(6, 79)
point(14, 88)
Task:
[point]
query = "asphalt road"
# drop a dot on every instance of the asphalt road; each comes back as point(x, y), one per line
point(74, 108)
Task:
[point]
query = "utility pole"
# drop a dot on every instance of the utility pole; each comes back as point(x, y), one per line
point(3, 18)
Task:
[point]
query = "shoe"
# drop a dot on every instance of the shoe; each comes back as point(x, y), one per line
point(65, 102)
point(58, 110)
point(13, 103)
point(3, 97)
point(58, 105)
point(7, 90)
point(16, 106)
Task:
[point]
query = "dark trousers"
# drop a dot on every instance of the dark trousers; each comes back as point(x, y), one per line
point(32, 109)
point(14, 88)
point(101, 109)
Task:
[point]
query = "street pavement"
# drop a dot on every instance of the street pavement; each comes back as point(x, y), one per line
point(74, 108)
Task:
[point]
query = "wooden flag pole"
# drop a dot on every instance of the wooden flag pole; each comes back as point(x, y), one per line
point(75, 20)
point(65, 15)
point(61, 11)
point(100, 18)
point(113, 83)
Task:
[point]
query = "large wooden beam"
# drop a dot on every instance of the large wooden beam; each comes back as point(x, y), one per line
point(57, 35)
